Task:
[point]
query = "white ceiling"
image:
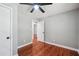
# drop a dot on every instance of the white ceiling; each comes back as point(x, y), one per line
point(53, 9)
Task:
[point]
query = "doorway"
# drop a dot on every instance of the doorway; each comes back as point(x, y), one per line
point(38, 30)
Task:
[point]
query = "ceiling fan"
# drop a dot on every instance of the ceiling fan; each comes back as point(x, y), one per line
point(37, 6)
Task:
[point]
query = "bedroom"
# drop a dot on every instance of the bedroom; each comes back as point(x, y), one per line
point(58, 34)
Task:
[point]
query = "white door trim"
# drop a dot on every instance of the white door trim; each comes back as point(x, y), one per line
point(11, 27)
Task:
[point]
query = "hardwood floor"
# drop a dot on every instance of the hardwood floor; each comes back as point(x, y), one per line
point(38, 48)
point(25, 51)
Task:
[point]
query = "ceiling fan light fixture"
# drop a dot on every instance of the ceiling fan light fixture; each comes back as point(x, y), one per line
point(36, 7)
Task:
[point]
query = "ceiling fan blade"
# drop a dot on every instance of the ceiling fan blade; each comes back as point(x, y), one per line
point(41, 10)
point(36, 4)
point(42, 4)
point(27, 3)
point(32, 10)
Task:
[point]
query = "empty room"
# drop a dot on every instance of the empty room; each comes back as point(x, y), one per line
point(39, 29)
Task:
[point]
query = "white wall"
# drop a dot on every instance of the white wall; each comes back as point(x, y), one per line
point(24, 27)
point(78, 29)
point(62, 28)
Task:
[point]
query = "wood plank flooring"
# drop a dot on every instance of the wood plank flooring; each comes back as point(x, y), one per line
point(38, 48)
point(25, 51)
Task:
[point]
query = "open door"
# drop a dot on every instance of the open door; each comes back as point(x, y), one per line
point(40, 31)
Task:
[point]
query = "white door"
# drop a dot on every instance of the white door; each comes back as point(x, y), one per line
point(40, 31)
point(5, 24)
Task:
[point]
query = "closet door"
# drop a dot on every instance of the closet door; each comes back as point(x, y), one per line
point(5, 26)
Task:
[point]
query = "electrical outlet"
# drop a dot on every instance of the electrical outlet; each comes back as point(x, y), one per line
point(54, 41)
point(24, 40)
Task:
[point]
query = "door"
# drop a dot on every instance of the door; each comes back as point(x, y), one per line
point(5, 41)
point(40, 31)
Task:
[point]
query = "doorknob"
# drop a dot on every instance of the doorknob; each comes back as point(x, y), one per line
point(7, 37)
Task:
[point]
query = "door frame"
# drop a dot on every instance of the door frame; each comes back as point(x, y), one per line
point(11, 27)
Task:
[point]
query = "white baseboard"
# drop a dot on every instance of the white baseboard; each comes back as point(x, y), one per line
point(25, 45)
point(61, 46)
